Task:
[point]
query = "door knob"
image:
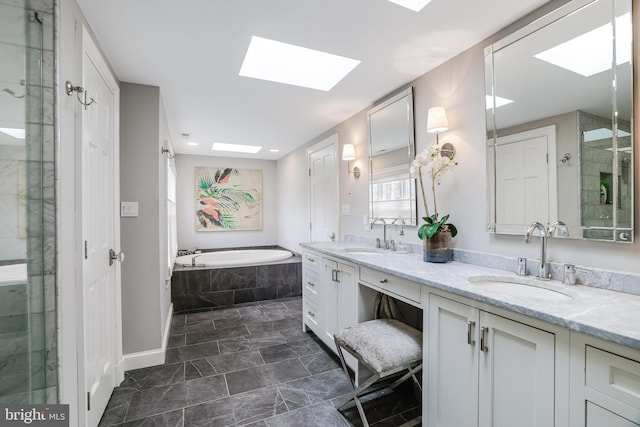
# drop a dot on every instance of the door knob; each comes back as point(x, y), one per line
point(113, 256)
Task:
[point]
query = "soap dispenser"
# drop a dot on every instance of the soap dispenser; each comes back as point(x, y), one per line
point(401, 248)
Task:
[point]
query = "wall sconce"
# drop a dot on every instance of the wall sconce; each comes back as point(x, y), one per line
point(437, 122)
point(348, 154)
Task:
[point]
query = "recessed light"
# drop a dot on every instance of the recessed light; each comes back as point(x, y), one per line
point(16, 133)
point(193, 143)
point(236, 148)
point(274, 150)
point(294, 65)
point(415, 5)
point(592, 52)
point(500, 101)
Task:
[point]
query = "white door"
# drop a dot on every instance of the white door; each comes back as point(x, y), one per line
point(525, 180)
point(452, 369)
point(517, 368)
point(100, 231)
point(323, 190)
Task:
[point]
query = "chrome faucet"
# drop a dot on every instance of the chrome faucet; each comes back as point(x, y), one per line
point(384, 244)
point(193, 260)
point(543, 271)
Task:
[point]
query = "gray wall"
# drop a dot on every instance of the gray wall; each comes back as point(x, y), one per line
point(458, 85)
point(142, 238)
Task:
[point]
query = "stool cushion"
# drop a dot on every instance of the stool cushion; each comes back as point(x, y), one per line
point(382, 344)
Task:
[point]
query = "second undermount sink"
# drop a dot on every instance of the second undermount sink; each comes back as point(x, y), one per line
point(523, 287)
point(363, 251)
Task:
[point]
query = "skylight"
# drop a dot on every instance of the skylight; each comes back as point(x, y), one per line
point(294, 65)
point(415, 5)
point(592, 52)
point(16, 133)
point(236, 148)
point(500, 101)
point(602, 133)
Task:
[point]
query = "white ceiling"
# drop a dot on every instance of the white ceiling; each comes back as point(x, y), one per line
point(193, 50)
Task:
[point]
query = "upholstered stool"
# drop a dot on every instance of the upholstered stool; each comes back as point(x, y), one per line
point(385, 347)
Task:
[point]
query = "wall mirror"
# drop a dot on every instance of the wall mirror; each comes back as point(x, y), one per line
point(559, 123)
point(392, 191)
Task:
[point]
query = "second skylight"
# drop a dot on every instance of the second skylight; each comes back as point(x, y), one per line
point(294, 65)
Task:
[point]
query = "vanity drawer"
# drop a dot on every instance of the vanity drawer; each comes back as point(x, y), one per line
point(310, 314)
point(613, 375)
point(311, 260)
point(391, 284)
point(310, 284)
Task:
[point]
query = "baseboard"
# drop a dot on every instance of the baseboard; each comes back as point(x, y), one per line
point(145, 359)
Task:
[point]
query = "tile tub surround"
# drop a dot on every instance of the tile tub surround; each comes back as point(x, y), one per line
point(247, 365)
point(602, 313)
point(196, 289)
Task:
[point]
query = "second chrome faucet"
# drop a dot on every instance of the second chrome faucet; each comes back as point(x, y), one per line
point(557, 228)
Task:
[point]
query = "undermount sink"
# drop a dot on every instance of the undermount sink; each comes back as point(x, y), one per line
point(362, 251)
point(523, 287)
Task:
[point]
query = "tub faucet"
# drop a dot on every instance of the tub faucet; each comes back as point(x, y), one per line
point(193, 259)
point(543, 271)
point(384, 242)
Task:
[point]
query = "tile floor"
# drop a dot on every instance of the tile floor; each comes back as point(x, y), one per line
point(251, 365)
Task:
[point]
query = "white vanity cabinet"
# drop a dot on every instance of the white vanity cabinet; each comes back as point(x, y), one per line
point(311, 315)
point(605, 383)
point(329, 296)
point(488, 370)
point(338, 300)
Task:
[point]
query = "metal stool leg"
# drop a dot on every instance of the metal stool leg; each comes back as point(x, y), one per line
point(356, 390)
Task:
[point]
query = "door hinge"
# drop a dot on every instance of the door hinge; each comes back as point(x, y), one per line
point(88, 401)
point(310, 226)
point(86, 250)
point(309, 171)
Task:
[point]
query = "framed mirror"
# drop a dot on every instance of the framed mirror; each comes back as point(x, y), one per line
point(559, 123)
point(392, 191)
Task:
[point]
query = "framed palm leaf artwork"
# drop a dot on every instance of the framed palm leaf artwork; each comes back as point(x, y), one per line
point(228, 199)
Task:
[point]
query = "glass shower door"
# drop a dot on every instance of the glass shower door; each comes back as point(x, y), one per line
point(26, 196)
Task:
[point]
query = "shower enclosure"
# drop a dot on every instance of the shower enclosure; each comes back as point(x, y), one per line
point(28, 364)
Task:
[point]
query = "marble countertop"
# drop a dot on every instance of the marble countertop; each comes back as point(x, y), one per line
point(610, 315)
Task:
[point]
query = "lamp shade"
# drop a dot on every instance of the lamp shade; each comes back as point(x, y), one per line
point(437, 120)
point(348, 152)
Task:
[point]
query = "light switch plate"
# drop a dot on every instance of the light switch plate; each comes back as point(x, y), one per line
point(346, 210)
point(128, 209)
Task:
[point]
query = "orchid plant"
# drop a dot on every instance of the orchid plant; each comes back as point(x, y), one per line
point(432, 165)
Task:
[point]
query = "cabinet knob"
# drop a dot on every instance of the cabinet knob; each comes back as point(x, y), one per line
point(311, 314)
point(311, 284)
point(383, 281)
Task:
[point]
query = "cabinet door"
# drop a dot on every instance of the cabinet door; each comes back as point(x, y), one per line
point(452, 372)
point(347, 296)
point(329, 301)
point(516, 374)
point(600, 417)
point(339, 296)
